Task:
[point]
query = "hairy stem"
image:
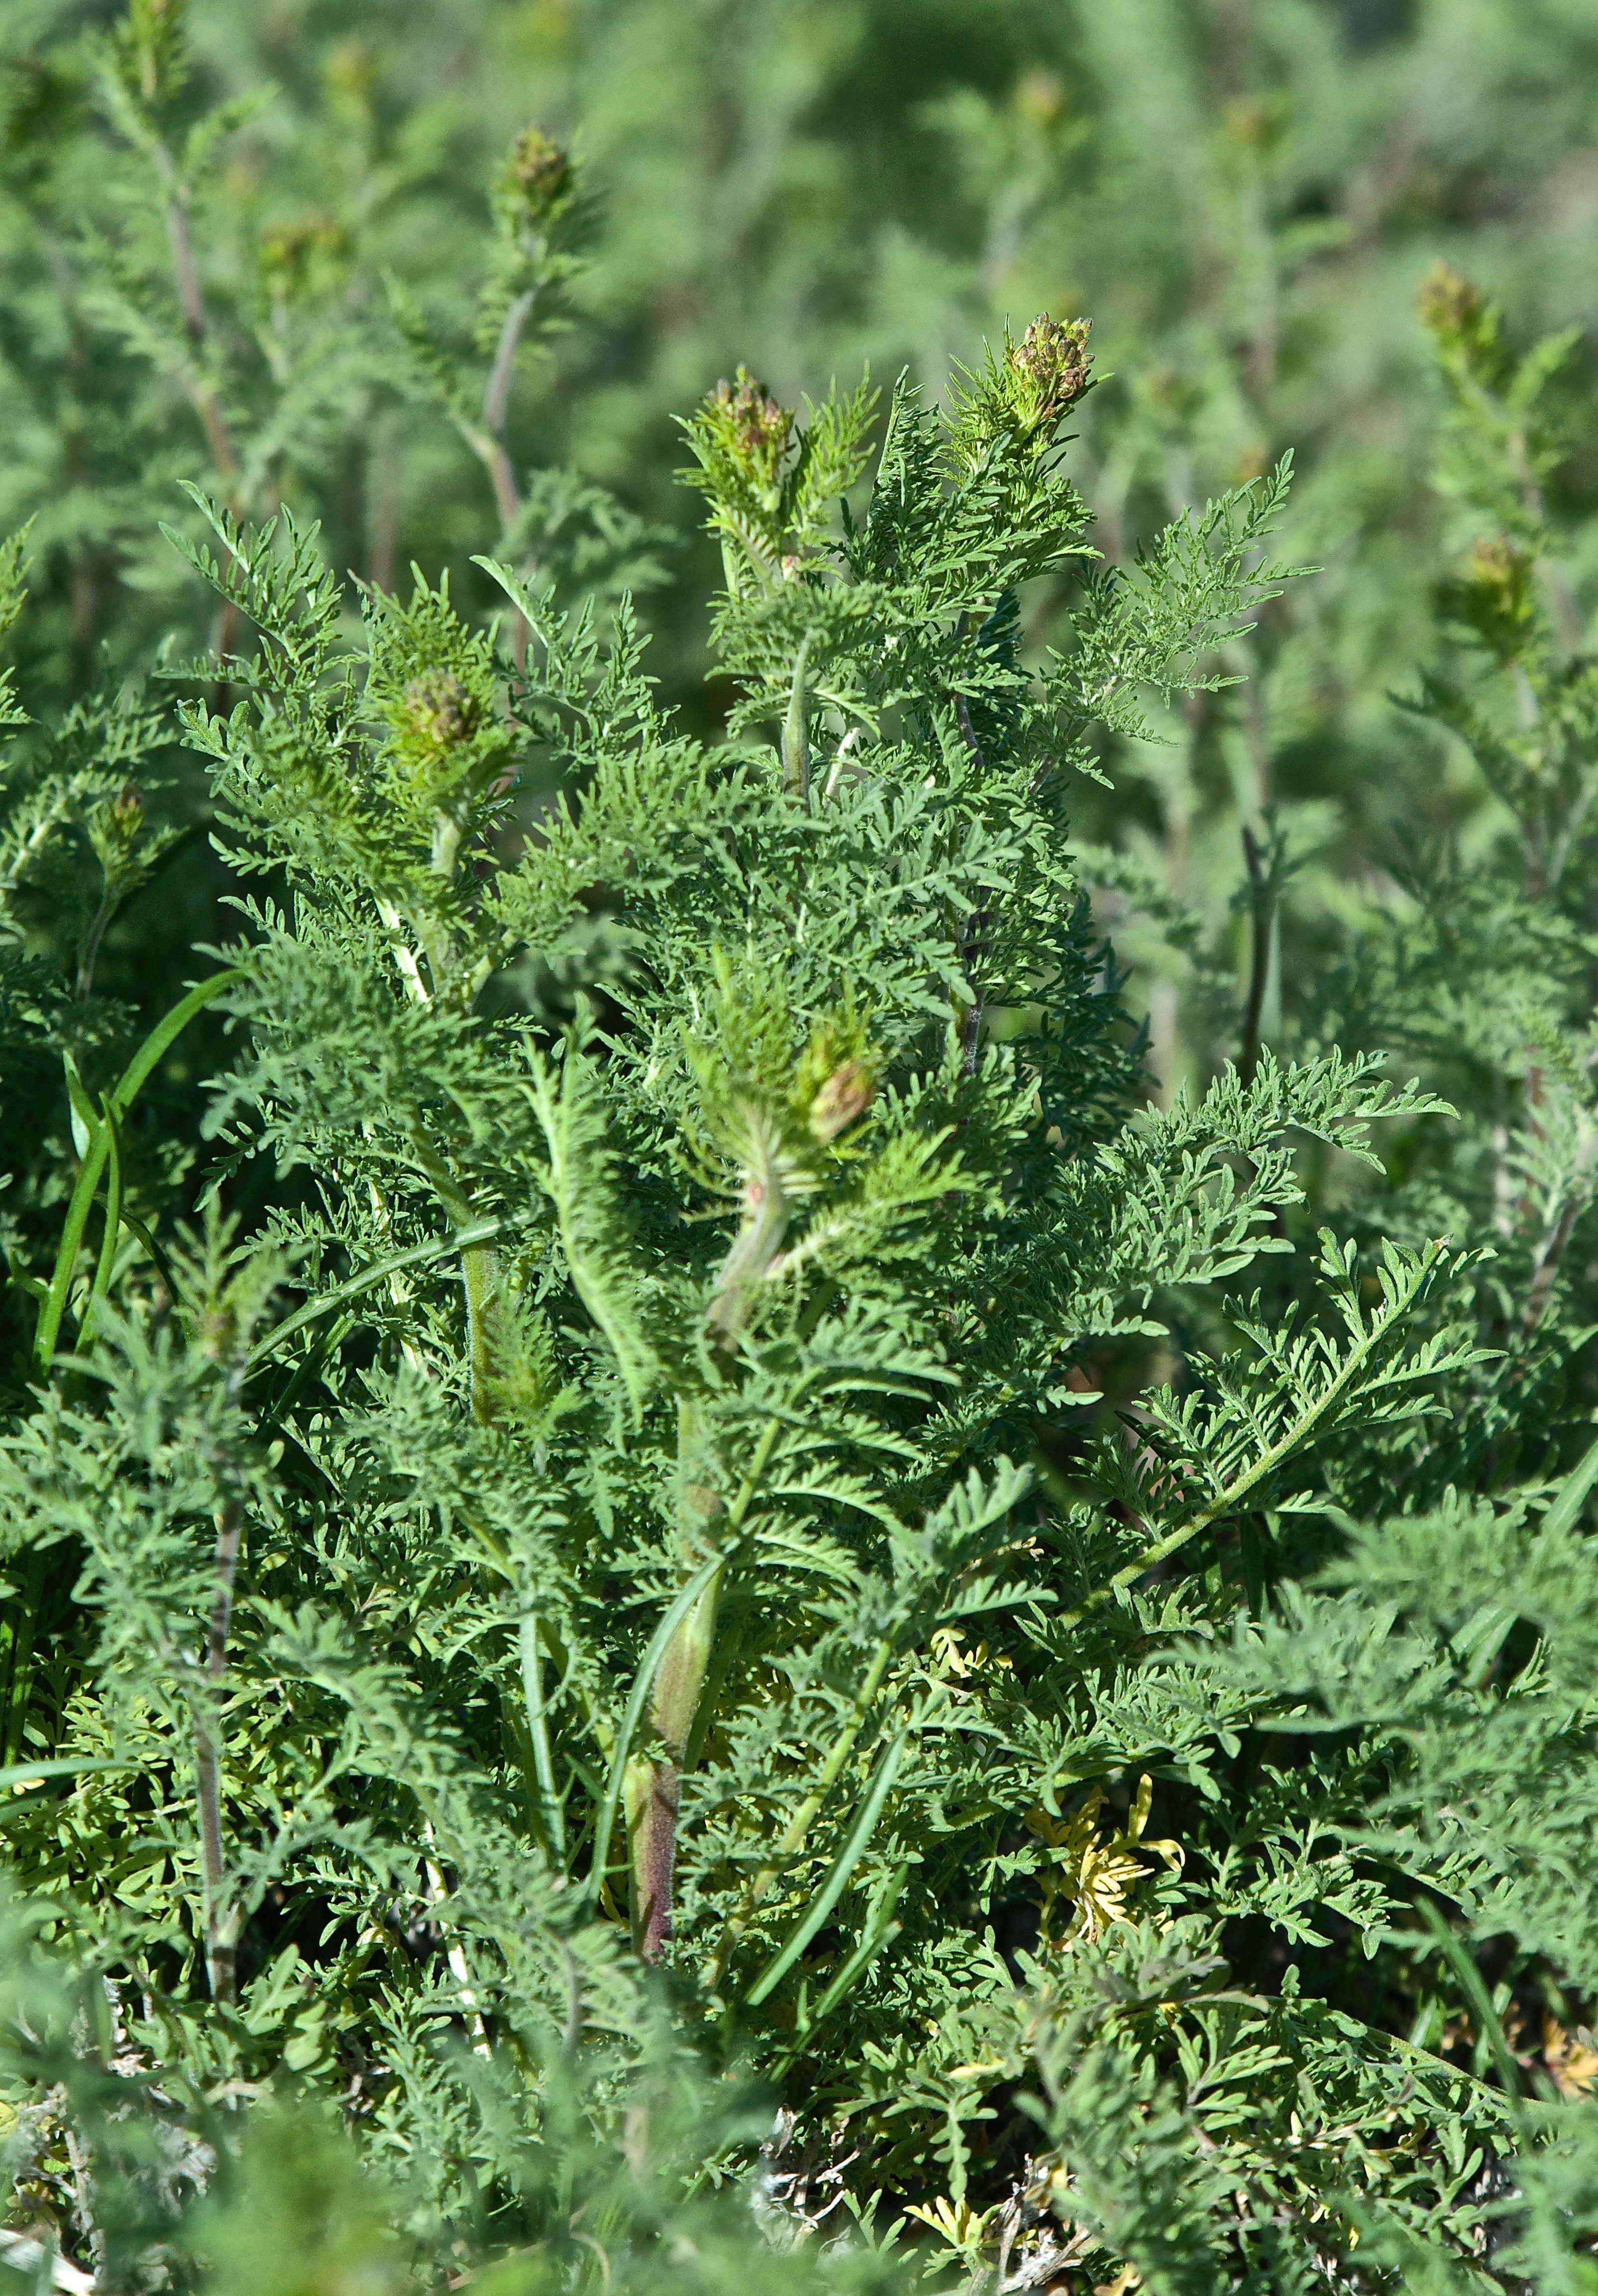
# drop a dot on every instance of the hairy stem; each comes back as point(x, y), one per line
point(649, 1789)
point(190, 301)
point(487, 439)
point(767, 1213)
point(90, 951)
point(485, 1326)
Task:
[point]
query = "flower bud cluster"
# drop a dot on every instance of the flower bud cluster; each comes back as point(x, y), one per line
point(294, 252)
point(114, 830)
point(439, 711)
point(752, 426)
point(537, 177)
point(1054, 366)
point(1495, 595)
point(150, 62)
point(1463, 323)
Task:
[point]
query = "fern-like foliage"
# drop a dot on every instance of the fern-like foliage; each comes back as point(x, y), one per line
point(624, 1571)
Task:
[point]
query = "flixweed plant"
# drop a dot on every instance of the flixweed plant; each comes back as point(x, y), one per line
point(594, 1695)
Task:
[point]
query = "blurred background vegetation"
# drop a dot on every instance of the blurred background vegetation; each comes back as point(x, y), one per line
point(1244, 195)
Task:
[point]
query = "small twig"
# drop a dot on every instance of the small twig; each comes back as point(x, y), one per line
point(487, 439)
point(496, 393)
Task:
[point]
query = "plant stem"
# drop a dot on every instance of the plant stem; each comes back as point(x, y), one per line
point(1270, 1460)
point(551, 1814)
point(220, 1926)
point(485, 1231)
point(113, 1220)
point(796, 740)
point(90, 950)
point(1259, 965)
point(633, 1783)
point(485, 1326)
point(654, 1787)
point(487, 439)
point(758, 1241)
point(804, 1818)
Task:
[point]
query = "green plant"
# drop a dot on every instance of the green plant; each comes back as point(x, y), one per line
point(594, 1693)
point(666, 1594)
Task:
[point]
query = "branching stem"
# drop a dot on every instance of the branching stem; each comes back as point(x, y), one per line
point(1279, 1452)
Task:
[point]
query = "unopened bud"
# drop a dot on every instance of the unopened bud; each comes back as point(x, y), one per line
point(1496, 596)
point(845, 1094)
point(127, 811)
point(289, 250)
point(1040, 97)
point(754, 425)
point(1449, 303)
point(1254, 123)
point(439, 711)
point(1053, 360)
point(1463, 323)
point(537, 173)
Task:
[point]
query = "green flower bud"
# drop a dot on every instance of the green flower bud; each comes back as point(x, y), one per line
point(114, 828)
point(1496, 596)
point(291, 251)
point(150, 50)
point(751, 425)
point(538, 174)
point(1054, 365)
point(438, 712)
point(1463, 323)
point(1040, 98)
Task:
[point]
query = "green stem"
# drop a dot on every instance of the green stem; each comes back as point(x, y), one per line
point(643, 1683)
point(796, 741)
point(1269, 1461)
point(551, 1814)
point(707, 1577)
point(766, 1214)
point(485, 1231)
point(804, 1818)
point(114, 1222)
point(479, 1274)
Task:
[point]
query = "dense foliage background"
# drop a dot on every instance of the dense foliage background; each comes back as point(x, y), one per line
point(1232, 1932)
